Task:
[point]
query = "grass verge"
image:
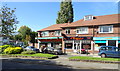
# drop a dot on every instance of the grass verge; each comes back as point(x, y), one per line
point(36, 55)
point(93, 58)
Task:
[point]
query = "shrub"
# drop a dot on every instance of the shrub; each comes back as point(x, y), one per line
point(28, 52)
point(13, 50)
point(2, 48)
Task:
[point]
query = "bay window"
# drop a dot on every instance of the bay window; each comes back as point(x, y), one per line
point(67, 31)
point(57, 33)
point(106, 29)
point(45, 33)
point(82, 30)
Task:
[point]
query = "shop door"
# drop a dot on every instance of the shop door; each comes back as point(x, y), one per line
point(111, 42)
point(77, 47)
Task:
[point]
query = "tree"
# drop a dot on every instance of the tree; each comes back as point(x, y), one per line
point(33, 35)
point(27, 35)
point(8, 21)
point(18, 37)
point(23, 31)
point(28, 38)
point(65, 14)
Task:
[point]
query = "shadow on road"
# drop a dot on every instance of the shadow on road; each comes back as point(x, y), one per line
point(16, 64)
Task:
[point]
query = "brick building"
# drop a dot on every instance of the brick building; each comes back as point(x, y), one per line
point(89, 33)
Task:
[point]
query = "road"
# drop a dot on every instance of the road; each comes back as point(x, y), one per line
point(10, 64)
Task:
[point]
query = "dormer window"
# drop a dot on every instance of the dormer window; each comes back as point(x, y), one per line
point(88, 17)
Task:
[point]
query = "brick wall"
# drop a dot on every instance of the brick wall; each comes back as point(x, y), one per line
point(90, 32)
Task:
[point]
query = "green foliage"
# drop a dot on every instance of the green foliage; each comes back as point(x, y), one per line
point(2, 48)
point(26, 35)
point(28, 52)
point(18, 37)
point(33, 35)
point(9, 21)
point(37, 55)
point(23, 31)
point(65, 14)
point(93, 58)
point(13, 50)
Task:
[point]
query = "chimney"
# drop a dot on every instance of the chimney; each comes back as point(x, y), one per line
point(69, 22)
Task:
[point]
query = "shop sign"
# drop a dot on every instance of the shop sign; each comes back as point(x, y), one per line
point(50, 40)
point(78, 38)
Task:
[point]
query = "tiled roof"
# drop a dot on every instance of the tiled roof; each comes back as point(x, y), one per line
point(98, 20)
point(54, 27)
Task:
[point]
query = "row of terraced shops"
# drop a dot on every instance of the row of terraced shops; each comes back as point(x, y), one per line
point(83, 34)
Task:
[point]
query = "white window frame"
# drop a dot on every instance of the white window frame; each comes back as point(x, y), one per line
point(45, 33)
point(57, 33)
point(82, 32)
point(106, 26)
point(66, 31)
point(90, 17)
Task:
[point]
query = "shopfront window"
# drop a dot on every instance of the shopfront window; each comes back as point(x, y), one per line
point(106, 29)
point(82, 30)
point(68, 45)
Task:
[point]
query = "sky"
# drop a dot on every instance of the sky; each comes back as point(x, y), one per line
point(38, 15)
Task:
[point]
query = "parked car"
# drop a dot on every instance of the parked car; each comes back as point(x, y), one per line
point(109, 51)
point(31, 48)
point(52, 50)
point(23, 47)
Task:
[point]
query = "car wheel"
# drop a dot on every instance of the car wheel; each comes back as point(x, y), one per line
point(56, 53)
point(103, 55)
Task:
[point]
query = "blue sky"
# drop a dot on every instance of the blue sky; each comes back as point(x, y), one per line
point(38, 15)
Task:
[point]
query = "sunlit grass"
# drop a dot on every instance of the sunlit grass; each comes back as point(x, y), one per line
point(94, 58)
point(37, 55)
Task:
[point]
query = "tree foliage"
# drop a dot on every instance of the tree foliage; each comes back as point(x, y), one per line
point(23, 31)
point(8, 21)
point(65, 14)
point(27, 35)
point(33, 35)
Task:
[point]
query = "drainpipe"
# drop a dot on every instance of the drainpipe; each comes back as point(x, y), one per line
point(63, 48)
point(93, 40)
point(117, 43)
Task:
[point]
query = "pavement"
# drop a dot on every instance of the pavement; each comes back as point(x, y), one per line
point(91, 55)
point(85, 65)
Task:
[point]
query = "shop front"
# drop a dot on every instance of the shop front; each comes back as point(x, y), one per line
point(75, 44)
point(106, 41)
point(55, 42)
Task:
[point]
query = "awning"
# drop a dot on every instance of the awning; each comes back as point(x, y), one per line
point(118, 41)
point(100, 41)
point(106, 38)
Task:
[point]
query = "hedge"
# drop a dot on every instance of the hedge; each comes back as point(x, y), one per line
point(13, 50)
